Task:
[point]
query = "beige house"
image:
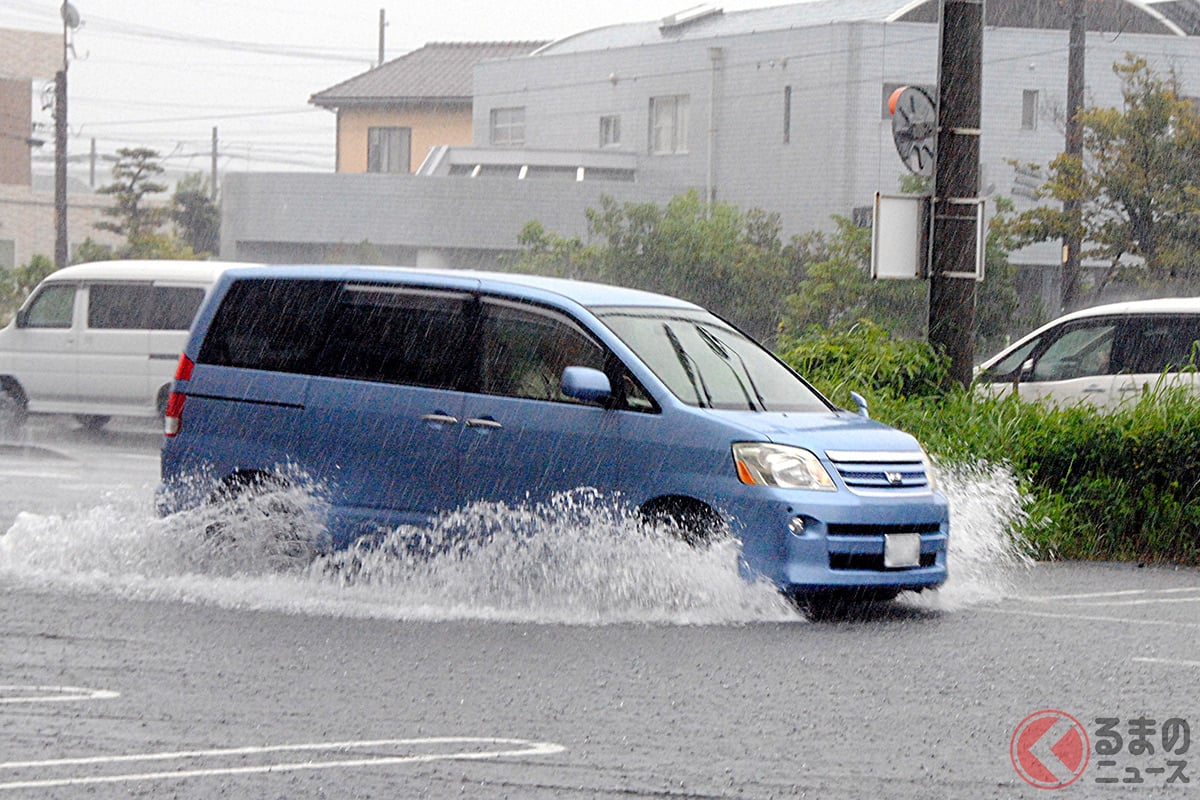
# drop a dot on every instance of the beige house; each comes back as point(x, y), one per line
point(27, 226)
point(389, 118)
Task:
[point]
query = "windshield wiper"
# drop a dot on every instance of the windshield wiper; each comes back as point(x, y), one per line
point(692, 374)
point(723, 350)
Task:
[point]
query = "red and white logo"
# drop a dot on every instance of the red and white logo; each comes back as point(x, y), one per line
point(1049, 749)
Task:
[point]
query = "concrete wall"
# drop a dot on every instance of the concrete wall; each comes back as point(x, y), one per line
point(281, 217)
point(27, 223)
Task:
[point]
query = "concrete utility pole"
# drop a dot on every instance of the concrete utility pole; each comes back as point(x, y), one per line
point(61, 256)
point(1072, 207)
point(213, 188)
point(956, 186)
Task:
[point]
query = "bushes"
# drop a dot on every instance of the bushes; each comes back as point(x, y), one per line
point(1119, 485)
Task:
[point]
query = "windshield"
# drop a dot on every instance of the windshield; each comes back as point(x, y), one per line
point(706, 363)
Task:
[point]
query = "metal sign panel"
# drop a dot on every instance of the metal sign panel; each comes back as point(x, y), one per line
point(898, 237)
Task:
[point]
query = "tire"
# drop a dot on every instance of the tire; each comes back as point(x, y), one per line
point(689, 520)
point(13, 413)
point(92, 422)
point(260, 524)
point(843, 605)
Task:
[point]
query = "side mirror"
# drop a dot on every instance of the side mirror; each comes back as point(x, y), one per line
point(861, 402)
point(587, 384)
point(22, 318)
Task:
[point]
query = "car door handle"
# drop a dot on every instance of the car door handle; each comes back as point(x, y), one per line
point(1093, 389)
point(481, 422)
point(440, 419)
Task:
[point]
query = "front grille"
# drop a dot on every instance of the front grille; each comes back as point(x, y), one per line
point(870, 561)
point(880, 472)
point(868, 529)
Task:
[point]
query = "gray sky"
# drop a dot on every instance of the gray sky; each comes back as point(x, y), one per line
point(162, 74)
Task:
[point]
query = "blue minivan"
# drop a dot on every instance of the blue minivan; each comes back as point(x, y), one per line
point(410, 393)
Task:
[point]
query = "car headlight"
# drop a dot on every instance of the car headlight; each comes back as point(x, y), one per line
point(762, 464)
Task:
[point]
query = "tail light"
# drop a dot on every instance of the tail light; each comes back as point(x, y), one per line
point(173, 418)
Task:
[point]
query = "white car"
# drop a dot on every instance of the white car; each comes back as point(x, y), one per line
point(1102, 356)
point(100, 340)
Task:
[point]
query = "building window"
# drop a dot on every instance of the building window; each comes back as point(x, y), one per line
point(669, 124)
point(508, 127)
point(389, 149)
point(610, 130)
point(1029, 109)
point(787, 114)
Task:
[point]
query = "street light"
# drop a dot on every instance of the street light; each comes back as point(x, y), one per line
point(70, 18)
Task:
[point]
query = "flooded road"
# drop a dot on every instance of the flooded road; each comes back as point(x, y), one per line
point(574, 660)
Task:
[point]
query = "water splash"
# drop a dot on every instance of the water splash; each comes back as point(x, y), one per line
point(578, 559)
point(986, 554)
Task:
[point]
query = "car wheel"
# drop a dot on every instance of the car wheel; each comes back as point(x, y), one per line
point(13, 413)
point(92, 422)
point(842, 605)
point(689, 520)
point(260, 522)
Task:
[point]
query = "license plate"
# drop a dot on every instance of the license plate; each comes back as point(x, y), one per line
point(901, 550)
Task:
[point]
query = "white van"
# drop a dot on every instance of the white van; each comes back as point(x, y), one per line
point(1102, 356)
point(100, 340)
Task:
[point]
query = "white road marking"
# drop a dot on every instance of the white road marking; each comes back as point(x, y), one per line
point(1121, 593)
point(507, 748)
point(52, 694)
point(1090, 618)
point(1172, 662)
point(1153, 602)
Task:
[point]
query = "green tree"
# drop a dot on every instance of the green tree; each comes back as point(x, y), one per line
point(836, 292)
point(728, 260)
point(196, 214)
point(16, 284)
point(1137, 183)
point(132, 215)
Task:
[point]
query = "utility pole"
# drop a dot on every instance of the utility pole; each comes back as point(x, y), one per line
point(213, 188)
point(956, 209)
point(1072, 206)
point(62, 256)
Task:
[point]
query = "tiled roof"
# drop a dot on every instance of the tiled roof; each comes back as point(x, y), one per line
point(439, 71)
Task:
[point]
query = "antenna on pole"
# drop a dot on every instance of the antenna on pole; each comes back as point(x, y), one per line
point(382, 26)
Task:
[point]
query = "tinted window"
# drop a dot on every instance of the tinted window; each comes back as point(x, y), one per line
point(52, 308)
point(140, 306)
point(174, 307)
point(397, 335)
point(360, 332)
point(119, 305)
point(707, 363)
point(272, 325)
point(1161, 344)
